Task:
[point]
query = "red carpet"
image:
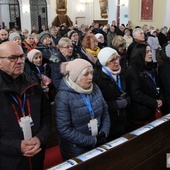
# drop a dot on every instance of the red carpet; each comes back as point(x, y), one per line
point(52, 157)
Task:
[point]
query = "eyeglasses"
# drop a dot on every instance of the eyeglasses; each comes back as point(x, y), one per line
point(68, 46)
point(14, 57)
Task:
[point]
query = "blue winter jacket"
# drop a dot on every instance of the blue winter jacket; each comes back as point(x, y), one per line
point(72, 118)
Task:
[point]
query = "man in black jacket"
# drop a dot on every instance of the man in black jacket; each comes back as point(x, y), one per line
point(25, 118)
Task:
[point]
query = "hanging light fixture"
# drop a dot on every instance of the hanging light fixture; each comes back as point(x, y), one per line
point(86, 1)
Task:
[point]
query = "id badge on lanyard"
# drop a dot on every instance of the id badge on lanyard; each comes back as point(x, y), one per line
point(25, 122)
point(93, 124)
point(26, 127)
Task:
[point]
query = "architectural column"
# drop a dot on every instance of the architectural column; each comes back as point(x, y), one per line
point(166, 13)
point(48, 13)
point(124, 11)
point(25, 15)
point(112, 11)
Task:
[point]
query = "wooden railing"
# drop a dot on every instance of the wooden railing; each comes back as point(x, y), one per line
point(142, 150)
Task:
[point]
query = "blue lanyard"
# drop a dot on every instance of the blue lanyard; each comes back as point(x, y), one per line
point(22, 105)
point(86, 101)
point(118, 78)
point(152, 78)
point(38, 69)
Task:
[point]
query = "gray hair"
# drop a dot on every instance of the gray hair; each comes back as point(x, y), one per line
point(136, 30)
point(63, 41)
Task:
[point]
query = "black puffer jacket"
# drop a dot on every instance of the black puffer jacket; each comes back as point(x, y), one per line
point(10, 131)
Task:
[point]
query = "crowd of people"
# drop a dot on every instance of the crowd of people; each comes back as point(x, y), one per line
point(101, 81)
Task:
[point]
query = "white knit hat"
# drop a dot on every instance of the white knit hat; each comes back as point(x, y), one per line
point(31, 54)
point(167, 50)
point(152, 31)
point(98, 35)
point(104, 55)
point(104, 28)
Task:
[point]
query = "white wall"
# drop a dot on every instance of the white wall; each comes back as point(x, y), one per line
point(25, 15)
point(51, 10)
point(75, 9)
point(167, 13)
point(112, 8)
point(124, 10)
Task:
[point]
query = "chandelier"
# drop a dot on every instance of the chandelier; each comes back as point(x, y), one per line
point(86, 1)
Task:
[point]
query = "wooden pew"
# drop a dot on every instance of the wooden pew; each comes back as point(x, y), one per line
point(145, 151)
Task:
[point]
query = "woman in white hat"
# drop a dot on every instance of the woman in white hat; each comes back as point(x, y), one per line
point(109, 77)
point(42, 71)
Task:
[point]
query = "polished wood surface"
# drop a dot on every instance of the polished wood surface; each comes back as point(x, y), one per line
point(146, 151)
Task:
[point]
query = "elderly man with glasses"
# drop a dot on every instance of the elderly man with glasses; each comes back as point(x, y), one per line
point(25, 118)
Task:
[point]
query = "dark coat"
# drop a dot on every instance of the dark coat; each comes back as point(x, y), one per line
point(143, 94)
point(36, 72)
point(49, 53)
point(129, 50)
point(56, 76)
point(164, 77)
point(56, 39)
point(10, 131)
point(79, 52)
point(111, 92)
point(27, 47)
point(2, 41)
point(163, 39)
point(72, 118)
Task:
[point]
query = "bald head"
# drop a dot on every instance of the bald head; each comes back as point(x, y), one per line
point(11, 59)
point(10, 48)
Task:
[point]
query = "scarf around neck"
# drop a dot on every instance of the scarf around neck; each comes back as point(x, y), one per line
point(76, 87)
point(113, 73)
point(94, 53)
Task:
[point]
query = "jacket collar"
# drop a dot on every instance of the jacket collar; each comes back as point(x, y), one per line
point(19, 85)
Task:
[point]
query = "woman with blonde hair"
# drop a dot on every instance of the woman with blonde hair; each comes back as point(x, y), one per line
point(119, 44)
